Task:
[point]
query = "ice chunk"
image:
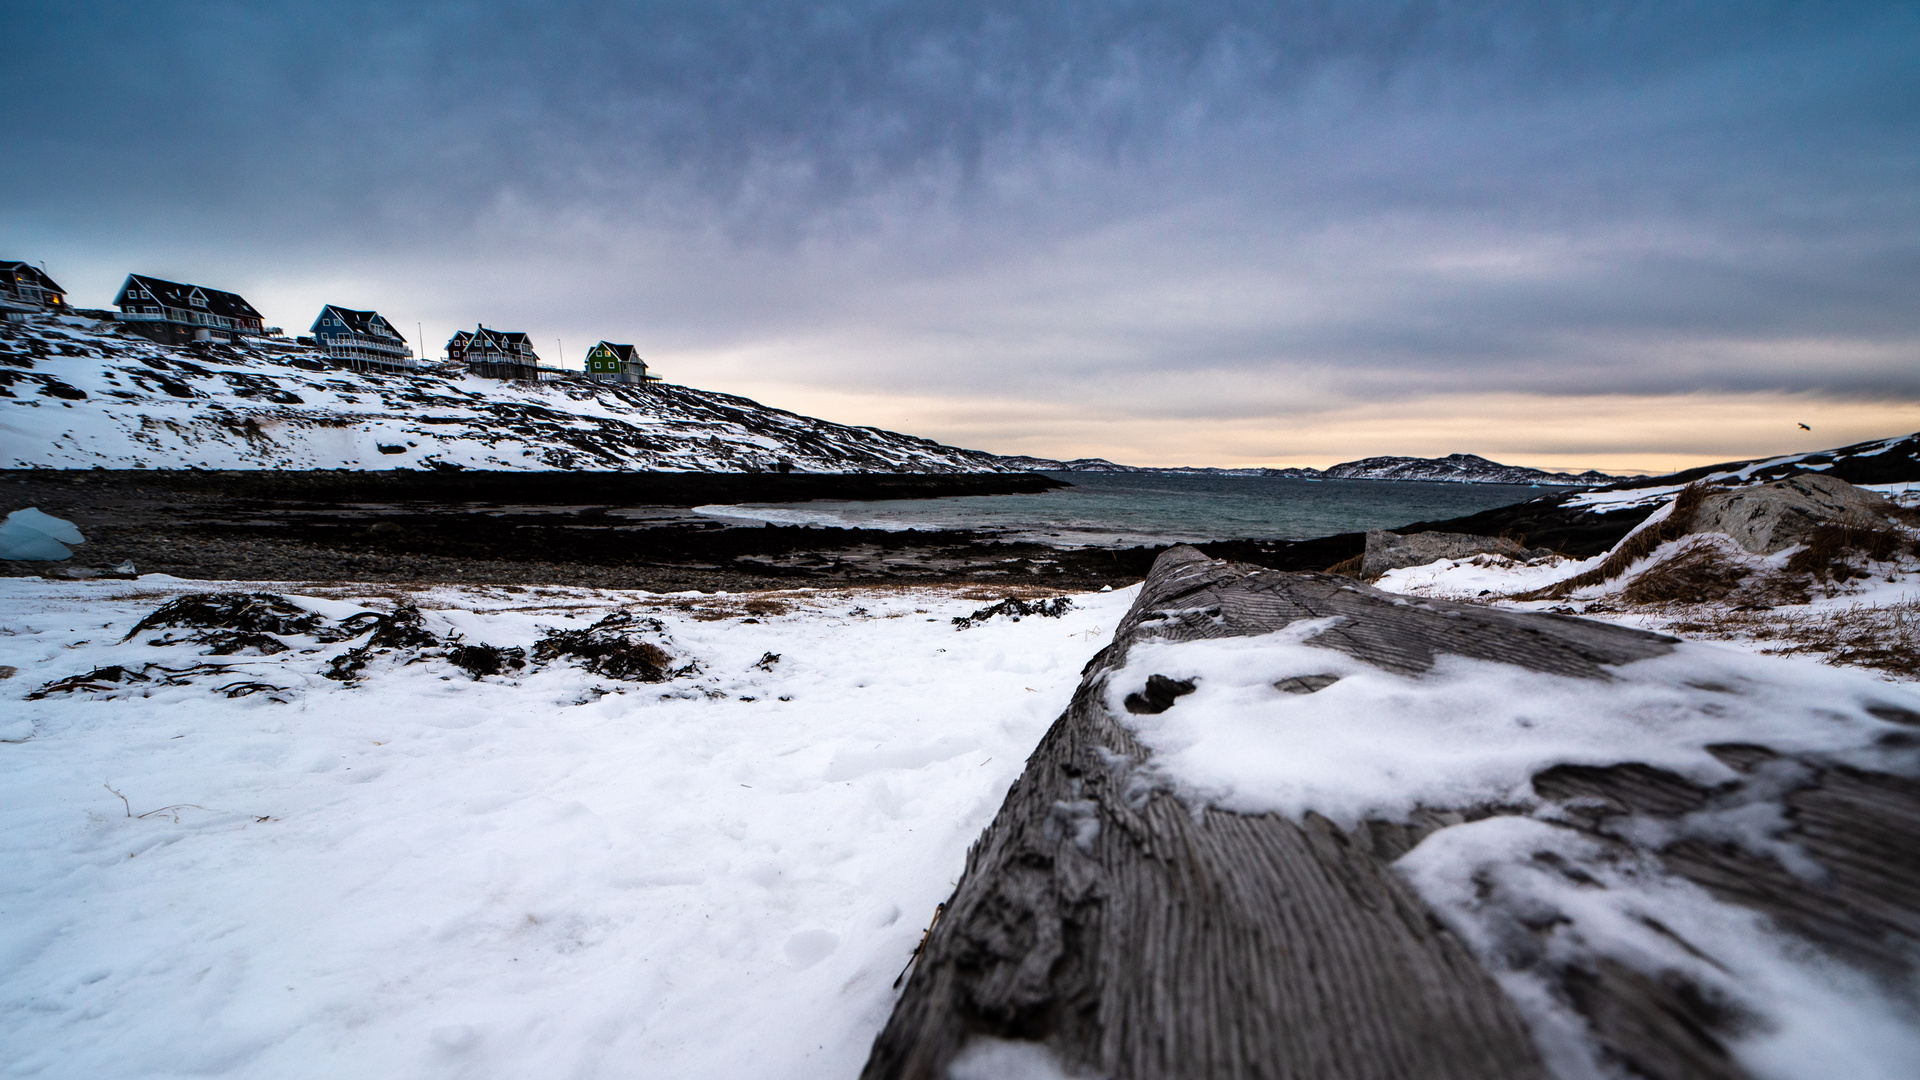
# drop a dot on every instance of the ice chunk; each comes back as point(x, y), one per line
point(33, 536)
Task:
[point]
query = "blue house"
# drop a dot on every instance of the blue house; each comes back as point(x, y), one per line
point(361, 340)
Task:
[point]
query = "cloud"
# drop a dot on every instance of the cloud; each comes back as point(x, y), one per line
point(1140, 213)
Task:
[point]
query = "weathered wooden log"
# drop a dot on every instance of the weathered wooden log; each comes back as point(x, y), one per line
point(1135, 937)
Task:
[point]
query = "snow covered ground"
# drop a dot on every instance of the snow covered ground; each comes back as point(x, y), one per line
point(550, 873)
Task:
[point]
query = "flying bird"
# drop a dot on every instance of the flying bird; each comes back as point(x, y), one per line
point(1804, 427)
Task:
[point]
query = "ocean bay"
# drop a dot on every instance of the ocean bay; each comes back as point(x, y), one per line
point(1125, 509)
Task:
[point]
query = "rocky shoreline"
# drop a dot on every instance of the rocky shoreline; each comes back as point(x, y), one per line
point(626, 530)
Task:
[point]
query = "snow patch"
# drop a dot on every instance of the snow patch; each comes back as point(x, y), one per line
point(1468, 732)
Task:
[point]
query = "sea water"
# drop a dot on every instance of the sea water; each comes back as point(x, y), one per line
point(1117, 509)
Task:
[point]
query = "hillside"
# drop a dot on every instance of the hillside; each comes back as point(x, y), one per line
point(1452, 469)
point(80, 394)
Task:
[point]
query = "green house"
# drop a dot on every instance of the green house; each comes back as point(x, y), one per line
point(607, 362)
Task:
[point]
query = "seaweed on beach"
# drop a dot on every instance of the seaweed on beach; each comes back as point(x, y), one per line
point(482, 660)
point(232, 614)
point(118, 676)
point(610, 647)
point(110, 677)
point(403, 628)
point(1016, 609)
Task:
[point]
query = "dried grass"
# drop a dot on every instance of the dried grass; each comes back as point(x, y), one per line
point(1698, 574)
point(1832, 550)
point(1348, 567)
point(1631, 550)
point(1885, 638)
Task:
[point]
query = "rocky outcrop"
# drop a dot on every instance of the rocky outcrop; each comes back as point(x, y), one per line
point(1391, 551)
point(1782, 514)
point(1109, 924)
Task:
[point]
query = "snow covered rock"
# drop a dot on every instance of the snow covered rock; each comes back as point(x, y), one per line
point(31, 535)
point(1392, 837)
point(1391, 551)
point(1775, 516)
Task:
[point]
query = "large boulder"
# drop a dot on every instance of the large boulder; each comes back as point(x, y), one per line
point(1391, 551)
point(1779, 515)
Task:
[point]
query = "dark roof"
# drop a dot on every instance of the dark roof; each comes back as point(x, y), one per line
point(501, 341)
point(365, 323)
point(177, 295)
point(40, 276)
point(624, 352)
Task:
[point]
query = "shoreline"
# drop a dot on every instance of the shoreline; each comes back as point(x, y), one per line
point(303, 527)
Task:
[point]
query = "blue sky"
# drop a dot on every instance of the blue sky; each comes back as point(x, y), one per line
point(1623, 235)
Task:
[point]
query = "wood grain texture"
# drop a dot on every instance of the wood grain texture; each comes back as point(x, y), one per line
point(1138, 940)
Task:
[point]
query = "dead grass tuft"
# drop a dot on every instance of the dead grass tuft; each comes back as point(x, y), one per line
point(1832, 550)
point(1699, 574)
point(1883, 638)
point(1348, 567)
point(1631, 550)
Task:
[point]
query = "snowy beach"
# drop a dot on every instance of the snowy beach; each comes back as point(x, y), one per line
point(549, 873)
point(301, 829)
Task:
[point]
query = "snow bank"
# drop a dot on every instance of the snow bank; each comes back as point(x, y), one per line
point(553, 873)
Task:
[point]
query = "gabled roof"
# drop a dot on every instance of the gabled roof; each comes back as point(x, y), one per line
point(177, 295)
point(364, 323)
point(511, 342)
point(37, 275)
point(624, 352)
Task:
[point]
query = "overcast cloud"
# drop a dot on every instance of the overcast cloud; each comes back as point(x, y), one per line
point(1563, 234)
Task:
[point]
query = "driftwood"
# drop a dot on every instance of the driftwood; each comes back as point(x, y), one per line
point(1137, 939)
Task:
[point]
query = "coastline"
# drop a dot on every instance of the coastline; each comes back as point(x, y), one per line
point(620, 531)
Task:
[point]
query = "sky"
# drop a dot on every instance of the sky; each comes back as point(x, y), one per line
point(1629, 236)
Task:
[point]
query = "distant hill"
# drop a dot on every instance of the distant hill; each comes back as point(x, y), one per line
point(1893, 460)
point(76, 393)
point(1453, 469)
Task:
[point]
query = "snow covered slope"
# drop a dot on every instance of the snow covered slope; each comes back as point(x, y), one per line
point(1457, 469)
point(76, 393)
point(1894, 460)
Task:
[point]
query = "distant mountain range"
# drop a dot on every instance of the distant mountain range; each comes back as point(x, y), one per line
point(1452, 469)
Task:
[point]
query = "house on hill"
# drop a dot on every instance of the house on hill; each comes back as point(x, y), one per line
point(173, 313)
point(361, 340)
point(607, 362)
point(495, 354)
point(25, 289)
